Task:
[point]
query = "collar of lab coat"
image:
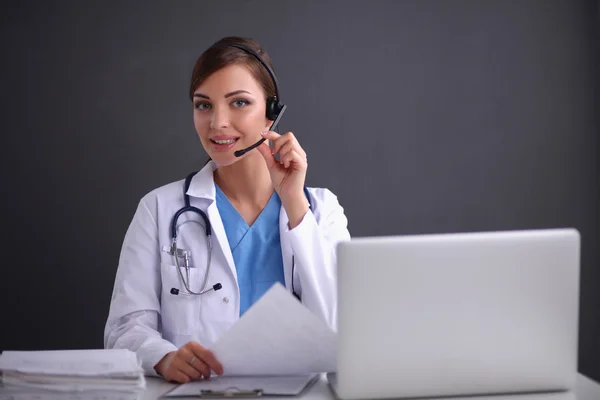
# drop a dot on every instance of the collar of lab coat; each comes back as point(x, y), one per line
point(202, 184)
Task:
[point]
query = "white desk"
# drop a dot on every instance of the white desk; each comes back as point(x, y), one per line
point(587, 389)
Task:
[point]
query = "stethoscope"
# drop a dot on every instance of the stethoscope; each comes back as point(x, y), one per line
point(178, 253)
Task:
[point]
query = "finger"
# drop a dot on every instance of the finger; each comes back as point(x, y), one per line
point(165, 363)
point(278, 140)
point(272, 135)
point(292, 145)
point(177, 376)
point(184, 367)
point(287, 158)
point(285, 140)
point(295, 158)
point(202, 367)
point(265, 151)
point(196, 362)
point(296, 145)
point(191, 365)
point(285, 149)
point(208, 357)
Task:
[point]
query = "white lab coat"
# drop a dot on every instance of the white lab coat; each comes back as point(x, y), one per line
point(146, 318)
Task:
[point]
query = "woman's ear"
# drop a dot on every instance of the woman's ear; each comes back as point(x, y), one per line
point(268, 124)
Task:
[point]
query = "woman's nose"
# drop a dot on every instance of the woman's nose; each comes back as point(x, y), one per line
point(219, 118)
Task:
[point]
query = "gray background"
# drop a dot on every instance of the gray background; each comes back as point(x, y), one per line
point(422, 116)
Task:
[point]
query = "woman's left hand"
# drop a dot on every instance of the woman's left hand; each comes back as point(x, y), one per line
point(288, 175)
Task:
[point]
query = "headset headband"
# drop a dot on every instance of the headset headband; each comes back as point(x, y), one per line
point(255, 55)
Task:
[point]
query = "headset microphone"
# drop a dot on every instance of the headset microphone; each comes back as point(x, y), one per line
point(240, 153)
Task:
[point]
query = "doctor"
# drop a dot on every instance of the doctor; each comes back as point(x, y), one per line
point(171, 302)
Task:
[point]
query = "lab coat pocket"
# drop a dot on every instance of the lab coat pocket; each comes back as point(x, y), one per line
point(180, 314)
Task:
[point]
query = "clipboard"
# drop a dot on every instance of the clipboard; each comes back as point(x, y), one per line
point(231, 393)
point(243, 387)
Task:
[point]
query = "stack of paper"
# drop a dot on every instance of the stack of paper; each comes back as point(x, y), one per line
point(110, 374)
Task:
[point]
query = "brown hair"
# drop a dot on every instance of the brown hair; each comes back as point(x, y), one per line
point(215, 58)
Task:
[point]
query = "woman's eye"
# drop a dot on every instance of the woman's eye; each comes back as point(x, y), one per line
point(240, 103)
point(201, 106)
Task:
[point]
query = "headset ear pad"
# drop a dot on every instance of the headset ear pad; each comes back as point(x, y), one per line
point(273, 108)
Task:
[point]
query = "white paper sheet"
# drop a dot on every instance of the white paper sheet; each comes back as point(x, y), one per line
point(269, 385)
point(10, 394)
point(277, 336)
point(114, 362)
point(70, 371)
point(72, 383)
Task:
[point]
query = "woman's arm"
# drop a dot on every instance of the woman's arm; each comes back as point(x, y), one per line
point(134, 317)
point(314, 248)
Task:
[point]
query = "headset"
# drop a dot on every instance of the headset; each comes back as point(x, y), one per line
point(274, 109)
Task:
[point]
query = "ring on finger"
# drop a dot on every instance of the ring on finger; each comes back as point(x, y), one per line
point(192, 360)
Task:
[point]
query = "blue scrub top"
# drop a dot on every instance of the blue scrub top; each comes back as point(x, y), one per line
point(256, 249)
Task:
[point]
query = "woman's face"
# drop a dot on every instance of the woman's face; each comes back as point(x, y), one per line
point(229, 113)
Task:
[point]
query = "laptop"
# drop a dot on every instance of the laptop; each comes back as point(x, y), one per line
point(457, 314)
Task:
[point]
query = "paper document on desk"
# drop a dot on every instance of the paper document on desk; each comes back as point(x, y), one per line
point(244, 386)
point(277, 336)
point(17, 394)
point(114, 362)
point(114, 372)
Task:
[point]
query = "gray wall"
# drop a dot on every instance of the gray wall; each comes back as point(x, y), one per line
point(422, 116)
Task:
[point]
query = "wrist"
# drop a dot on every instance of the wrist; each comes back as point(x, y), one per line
point(160, 366)
point(296, 208)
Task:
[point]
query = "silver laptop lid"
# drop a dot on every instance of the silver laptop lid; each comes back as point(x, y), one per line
point(456, 314)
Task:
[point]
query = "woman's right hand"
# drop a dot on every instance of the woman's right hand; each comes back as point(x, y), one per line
point(190, 362)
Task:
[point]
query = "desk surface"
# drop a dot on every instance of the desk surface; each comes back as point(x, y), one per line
point(587, 389)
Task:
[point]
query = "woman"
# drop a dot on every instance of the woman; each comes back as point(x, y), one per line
point(266, 226)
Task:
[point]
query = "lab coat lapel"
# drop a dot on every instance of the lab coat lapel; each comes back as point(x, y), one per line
point(286, 248)
point(203, 186)
point(220, 235)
